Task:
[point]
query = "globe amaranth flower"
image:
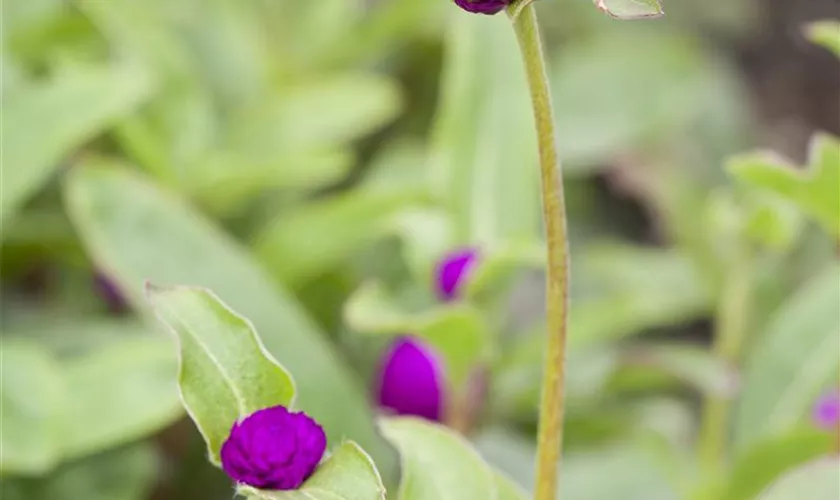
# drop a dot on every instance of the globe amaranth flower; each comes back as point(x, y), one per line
point(273, 449)
point(411, 380)
point(453, 271)
point(826, 411)
point(483, 6)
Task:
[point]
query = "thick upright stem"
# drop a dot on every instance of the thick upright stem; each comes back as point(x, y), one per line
point(550, 433)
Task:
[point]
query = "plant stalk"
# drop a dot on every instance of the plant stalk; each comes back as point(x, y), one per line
point(731, 326)
point(552, 400)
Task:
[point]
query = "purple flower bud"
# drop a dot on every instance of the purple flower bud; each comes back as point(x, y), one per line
point(453, 271)
point(411, 381)
point(273, 449)
point(483, 6)
point(826, 412)
point(109, 293)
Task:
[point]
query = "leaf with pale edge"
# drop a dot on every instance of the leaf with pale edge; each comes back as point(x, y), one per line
point(225, 372)
point(348, 474)
point(819, 480)
point(437, 464)
point(631, 9)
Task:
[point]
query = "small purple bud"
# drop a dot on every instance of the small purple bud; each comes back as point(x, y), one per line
point(109, 293)
point(453, 271)
point(411, 381)
point(826, 412)
point(483, 6)
point(273, 449)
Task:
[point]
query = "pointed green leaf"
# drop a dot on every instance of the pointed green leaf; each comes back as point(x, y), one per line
point(319, 236)
point(43, 124)
point(225, 180)
point(357, 105)
point(814, 189)
point(818, 480)
point(348, 474)
point(437, 464)
point(32, 406)
point(138, 232)
point(631, 9)
point(825, 33)
point(458, 332)
point(764, 462)
point(794, 359)
point(225, 372)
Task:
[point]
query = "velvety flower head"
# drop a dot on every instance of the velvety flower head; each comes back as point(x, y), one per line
point(411, 380)
point(273, 449)
point(483, 6)
point(453, 271)
point(109, 293)
point(826, 412)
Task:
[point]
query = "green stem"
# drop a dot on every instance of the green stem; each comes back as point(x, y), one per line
point(550, 432)
point(730, 329)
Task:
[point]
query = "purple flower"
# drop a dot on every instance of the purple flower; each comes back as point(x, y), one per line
point(483, 6)
point(109, 293)
point(453, 270)
point(826, 412)
point(273, 449)
point(411, 380)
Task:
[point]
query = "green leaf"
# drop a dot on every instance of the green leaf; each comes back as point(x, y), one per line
point(825, 33)
point(516, 381)
point(357, 105)
point(795, 358)
point(437, 464)
point(813, 190)
point(320, 235)
point(225, 180)
point(511, 452)
point(496, 267)
point(631, 9)
point(763, 462)
point(348, 474)
point(137, 233)
point(122, 474)
point(483, 162)
point(457, 332)
point(121, 392)
point(371, 310)
point(43, 124)
point(31, 410)
point(140, 30)
point(225, 371)
point(818, 480)
point(630, 289)
point(754, 217)
point(628, 470)
point(507, 489)
point(692, 365)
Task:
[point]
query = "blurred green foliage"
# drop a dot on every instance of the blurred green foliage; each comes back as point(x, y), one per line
point(310, 162)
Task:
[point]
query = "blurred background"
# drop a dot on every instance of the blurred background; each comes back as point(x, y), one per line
point(312, 161)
